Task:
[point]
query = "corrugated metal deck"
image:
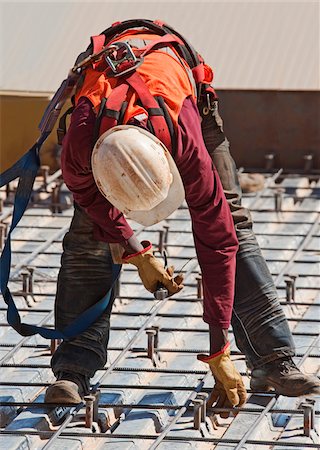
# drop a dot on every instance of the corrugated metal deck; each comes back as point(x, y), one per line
point(151, 394)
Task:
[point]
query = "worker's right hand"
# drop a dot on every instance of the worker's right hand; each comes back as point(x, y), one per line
point(152, 272)
point(229, 390)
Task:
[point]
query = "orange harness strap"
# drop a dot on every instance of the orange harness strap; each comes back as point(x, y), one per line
point(117, 98)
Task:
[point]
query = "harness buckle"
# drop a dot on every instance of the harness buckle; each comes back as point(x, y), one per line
point(121, 59)
point(211, 105)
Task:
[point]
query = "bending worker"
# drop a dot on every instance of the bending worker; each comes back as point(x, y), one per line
point(135, 148)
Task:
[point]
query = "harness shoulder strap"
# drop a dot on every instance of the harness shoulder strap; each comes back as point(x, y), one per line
point(157, 27)
point(155, 113)
point(110, 114)
point(113, 108)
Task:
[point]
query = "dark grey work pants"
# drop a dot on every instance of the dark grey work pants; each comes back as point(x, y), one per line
point(85, 277)
point(259, 324)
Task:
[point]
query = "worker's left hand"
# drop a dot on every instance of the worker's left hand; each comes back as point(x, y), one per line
point(229, 390)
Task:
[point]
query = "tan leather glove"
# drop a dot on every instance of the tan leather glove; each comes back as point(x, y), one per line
point(229, 390)
point(152, 272)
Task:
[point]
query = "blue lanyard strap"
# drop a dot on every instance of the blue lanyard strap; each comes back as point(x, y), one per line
point(26, 169)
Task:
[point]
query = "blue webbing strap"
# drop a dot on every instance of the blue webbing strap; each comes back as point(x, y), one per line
point(26, 168)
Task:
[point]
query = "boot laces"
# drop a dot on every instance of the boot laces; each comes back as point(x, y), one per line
point(287, 366)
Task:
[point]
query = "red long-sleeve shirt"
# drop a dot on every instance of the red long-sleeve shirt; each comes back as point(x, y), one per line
point(212, 225)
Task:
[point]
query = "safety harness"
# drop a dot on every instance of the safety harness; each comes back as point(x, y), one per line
point(121, 60)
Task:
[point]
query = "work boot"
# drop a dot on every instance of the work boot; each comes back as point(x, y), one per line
point(285, 378)
point(69, 388)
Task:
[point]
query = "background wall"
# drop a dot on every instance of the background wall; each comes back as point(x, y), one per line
point(250, 44)
point(260, 122)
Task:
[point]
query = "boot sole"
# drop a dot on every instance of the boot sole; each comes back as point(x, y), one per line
point(256, 386)
point(62, 392)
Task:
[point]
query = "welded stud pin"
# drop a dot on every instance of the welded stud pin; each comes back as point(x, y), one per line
point(197, 406)
point(55, 197)
point(161, 241)
point(5, 227)
point(166, 235)
point(2, 239)
point(30, 279)
point(308, 162)
point(3, 234)
point(25, 281)
point(8, 191)
point(54, 343)
point(156, 337)
point(199, 286)
point(97, 396)
point(203, 396)
point(290, 287)
point(151, 333)
point(44, 170)
point(89, 399)
point(308, 416)
point(269, 160)
point(278, 197)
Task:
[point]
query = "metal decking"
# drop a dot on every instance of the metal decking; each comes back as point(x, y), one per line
point(152, 392)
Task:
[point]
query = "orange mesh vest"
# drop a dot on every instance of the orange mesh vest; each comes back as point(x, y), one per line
point(163, 71)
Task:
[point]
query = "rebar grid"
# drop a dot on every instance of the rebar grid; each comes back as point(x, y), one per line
point(134, 437)
point(148, 317)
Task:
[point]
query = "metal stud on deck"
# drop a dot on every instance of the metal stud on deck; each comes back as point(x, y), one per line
point(54, 343)
point(89, 399)
point(3, 234)
point(180, 376)
point(199, 286)
point(8, 191)
point(308, 162)
point(278, 198)
point(56, 197)
point(197, 417)
point(203, 396)
point(44, 171)
point(163, 239)
point(153, 342)
point(30, 279)
point(290, 281)
point(269, 160)
point(308, 416)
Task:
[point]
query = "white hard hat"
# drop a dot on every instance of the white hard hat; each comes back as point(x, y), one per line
point(137, 174)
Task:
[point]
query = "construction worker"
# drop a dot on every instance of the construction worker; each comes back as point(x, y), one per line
point(131, 173)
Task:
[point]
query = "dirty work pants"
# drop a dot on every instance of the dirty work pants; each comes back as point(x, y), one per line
point(85, 277)
point(260, 327)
